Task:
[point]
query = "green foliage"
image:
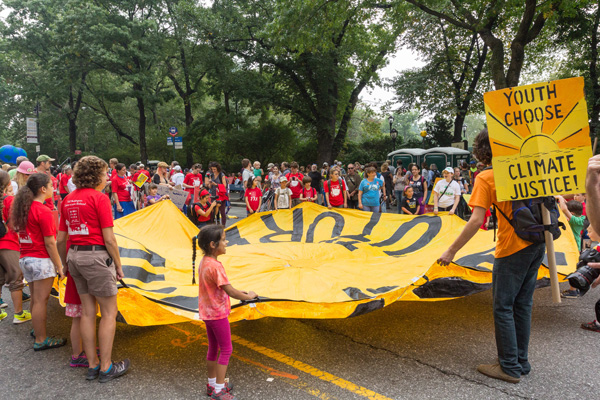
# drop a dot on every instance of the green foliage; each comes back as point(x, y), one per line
point(439, 132)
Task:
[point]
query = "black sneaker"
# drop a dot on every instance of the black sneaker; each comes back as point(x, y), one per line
point(25, 297)
point(116, 370)
point(92, 373)
point(570, 294)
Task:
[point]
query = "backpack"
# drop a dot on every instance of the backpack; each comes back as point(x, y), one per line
point(527, 218)
point(3, 228)
point(191, 212)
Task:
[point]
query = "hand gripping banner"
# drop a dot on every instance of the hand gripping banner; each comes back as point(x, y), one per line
point(308, 262)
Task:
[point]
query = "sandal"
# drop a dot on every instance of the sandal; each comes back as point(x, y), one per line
point(49, 343)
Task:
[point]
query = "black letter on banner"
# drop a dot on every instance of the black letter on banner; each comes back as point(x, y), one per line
point(337, 227)
point(433, 228)
point(233, 236)
point(272, 225)
point(375, 217)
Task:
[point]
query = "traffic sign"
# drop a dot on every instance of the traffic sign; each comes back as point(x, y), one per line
point(32, 131)
point(169, 141)
point(172, 131)
point(178, 143)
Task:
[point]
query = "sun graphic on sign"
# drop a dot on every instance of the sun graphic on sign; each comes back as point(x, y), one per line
point(538, 118)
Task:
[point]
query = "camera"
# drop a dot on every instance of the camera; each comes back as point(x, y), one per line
point(219, 202)
point(583, 277)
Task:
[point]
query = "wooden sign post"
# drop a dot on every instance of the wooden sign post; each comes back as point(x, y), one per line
point(540, 142)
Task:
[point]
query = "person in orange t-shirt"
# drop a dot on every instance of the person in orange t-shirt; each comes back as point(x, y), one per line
point(514, 276)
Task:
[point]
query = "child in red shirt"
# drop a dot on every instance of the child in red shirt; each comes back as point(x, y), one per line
point(336, 191)
point(253, 196)
point(214, 307)
point(308, 193)
point(39, 261)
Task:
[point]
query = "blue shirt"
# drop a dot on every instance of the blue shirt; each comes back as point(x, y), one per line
point(370, 196)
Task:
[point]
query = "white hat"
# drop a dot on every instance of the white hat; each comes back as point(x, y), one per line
point(177, 168)
point(449, 169)
point(283, 178)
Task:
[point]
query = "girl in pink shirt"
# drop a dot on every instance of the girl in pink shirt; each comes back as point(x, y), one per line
point(214, 307)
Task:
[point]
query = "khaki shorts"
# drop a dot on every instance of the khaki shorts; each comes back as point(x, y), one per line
point(91, 273)
point(10, 271)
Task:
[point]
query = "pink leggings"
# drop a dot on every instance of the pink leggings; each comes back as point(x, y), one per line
point(219, 337)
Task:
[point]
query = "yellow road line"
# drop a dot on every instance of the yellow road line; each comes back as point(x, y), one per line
point(325, 376)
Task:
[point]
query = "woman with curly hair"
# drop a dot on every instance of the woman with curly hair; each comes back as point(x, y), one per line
point(94, 264)
point(39, 262)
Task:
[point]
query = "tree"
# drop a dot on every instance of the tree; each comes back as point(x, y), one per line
point(494, 21)
point(48, 43)
point(578, 33)
point(314, 70)
point(448, 82)
point(439, 132)
point(128, 45)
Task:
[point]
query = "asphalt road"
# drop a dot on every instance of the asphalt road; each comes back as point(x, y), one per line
point(408, 350)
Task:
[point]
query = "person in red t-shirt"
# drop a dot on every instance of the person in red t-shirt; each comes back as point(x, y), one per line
point(64, 180)
point(123, 205)
point(309, 193)
point(336, 192)
point(253, 196)
point(295, 183)
point(191, 181)
point(94, 262)
point(10, 272)
point(39, 261)
point(204, 209)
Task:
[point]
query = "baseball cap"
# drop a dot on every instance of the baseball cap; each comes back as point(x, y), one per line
point(177, 168)
point(283, 178)
point(473, 162)
point(26, 167)
point(270, 165)
point(44, 158)
point(204, 193)
point(449, 169)
point(325, 164)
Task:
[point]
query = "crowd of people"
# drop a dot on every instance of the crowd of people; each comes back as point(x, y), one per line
point(58, 222)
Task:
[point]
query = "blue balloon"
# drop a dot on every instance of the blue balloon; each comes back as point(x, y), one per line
point(9, 153)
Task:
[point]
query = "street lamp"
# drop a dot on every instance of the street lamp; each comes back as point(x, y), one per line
point(394, 135)
point(464, 131)
point(391, 119)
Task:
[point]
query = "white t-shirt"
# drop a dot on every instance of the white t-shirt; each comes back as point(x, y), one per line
point(283, 201)
point(246, 174)
point(178, 178)
point(71, 185)
point(447, 199)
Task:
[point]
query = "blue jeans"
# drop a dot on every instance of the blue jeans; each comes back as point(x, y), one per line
point(513, 282)
point(399, 194)
point(371, 208)
point(128, 208)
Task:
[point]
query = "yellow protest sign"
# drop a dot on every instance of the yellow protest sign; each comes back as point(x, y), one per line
point(142, 178)
point(308, 262)
point(540, 139)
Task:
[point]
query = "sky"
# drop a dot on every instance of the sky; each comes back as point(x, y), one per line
point(377, 97)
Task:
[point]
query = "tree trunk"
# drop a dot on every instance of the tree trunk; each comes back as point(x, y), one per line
point(459, 121)
point(189, 152)
point(142, 125)
point(324, 144)
point(72, 134)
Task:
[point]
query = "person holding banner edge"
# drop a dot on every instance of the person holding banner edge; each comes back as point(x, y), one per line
point(514, 274)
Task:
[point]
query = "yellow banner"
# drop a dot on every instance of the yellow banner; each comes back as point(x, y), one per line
point(540, 139)
point(308, 262)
